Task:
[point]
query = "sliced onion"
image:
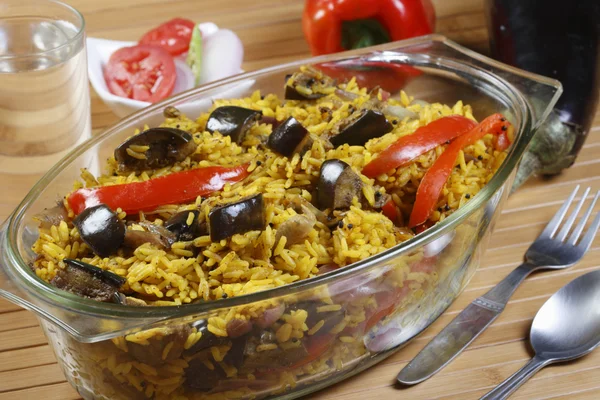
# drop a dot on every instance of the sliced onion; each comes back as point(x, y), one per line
point(400, 112)
point(270, 316)
point(420, 102)
point(223, 55)
point(238, 327)
point(208, 29)
point(346, 96)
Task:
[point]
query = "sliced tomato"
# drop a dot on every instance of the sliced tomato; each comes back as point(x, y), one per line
point(174, 35)
point(142, 72)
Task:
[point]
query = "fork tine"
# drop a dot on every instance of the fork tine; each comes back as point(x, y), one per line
point(564, 231)
point(552, 226)
point(588, 238)
point(579, 228)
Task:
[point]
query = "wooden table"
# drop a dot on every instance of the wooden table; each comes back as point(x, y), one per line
point(271, 32)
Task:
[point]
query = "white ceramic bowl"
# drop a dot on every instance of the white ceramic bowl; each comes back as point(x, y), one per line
point(100, 50)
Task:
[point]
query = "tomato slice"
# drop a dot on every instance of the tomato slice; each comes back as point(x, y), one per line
point(174, 35)
point(142, 72)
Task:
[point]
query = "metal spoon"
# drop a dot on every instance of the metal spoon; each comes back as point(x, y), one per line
point(566, 327)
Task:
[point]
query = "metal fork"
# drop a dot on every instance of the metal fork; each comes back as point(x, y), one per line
point(553, 249)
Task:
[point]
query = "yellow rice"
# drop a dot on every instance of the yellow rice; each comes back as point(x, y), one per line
point(248, 263)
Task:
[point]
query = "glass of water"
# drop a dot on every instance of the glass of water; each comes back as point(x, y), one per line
point(44, 94)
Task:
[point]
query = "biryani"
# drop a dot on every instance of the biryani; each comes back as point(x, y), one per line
point(257, 193)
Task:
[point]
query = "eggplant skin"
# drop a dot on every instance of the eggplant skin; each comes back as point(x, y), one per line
point(338, 184)
point(561, 41)
point(287, 137)
point(179, 226)
point(88, 281)
point(361, 127)
point(240, 217)
point(232, 121)
point(101, 229)
point(166, 147)
point(109, 277)
point(307, 84)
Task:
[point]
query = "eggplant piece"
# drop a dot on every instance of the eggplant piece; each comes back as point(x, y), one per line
point(242, 216)
point(120, 298)
point(178, 224)
point(171, 112)
point(338, 185)
point(52, 216)
point(552, 39)
point(307, 84)
point(232, 121)
point(296, 228)
point(235, 355)
point(166, 146)
point(360, 127)
point(88, 281)
point(101, 229)
point(289, 138)
point(207, 340)
point(380, 199)
point(134, 239)
point(153, 352)
point(198, 377)
point(300, 204)
point(165, 234)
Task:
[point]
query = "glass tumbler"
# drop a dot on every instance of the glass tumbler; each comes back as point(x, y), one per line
point(44, 94)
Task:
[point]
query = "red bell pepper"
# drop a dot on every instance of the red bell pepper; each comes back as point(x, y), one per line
point(436, 177)
point(175, 188)
point(425, 138)
point(389, 210)
point(370, 74)
point(331, 26)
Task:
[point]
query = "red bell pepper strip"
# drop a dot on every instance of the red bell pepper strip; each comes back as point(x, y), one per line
point(389, 210)
point(370, 74)
point(436, 177)
point(316, 347)
point(425, 138)
point(175, 188)
point(331, 26)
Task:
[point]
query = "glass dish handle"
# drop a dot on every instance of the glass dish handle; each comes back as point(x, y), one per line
point(539, 92)
point(8, 290)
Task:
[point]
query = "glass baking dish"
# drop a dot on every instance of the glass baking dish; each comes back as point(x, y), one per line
point(110, 351)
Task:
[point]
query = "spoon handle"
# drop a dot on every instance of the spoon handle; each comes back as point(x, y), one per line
point(513, 382)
